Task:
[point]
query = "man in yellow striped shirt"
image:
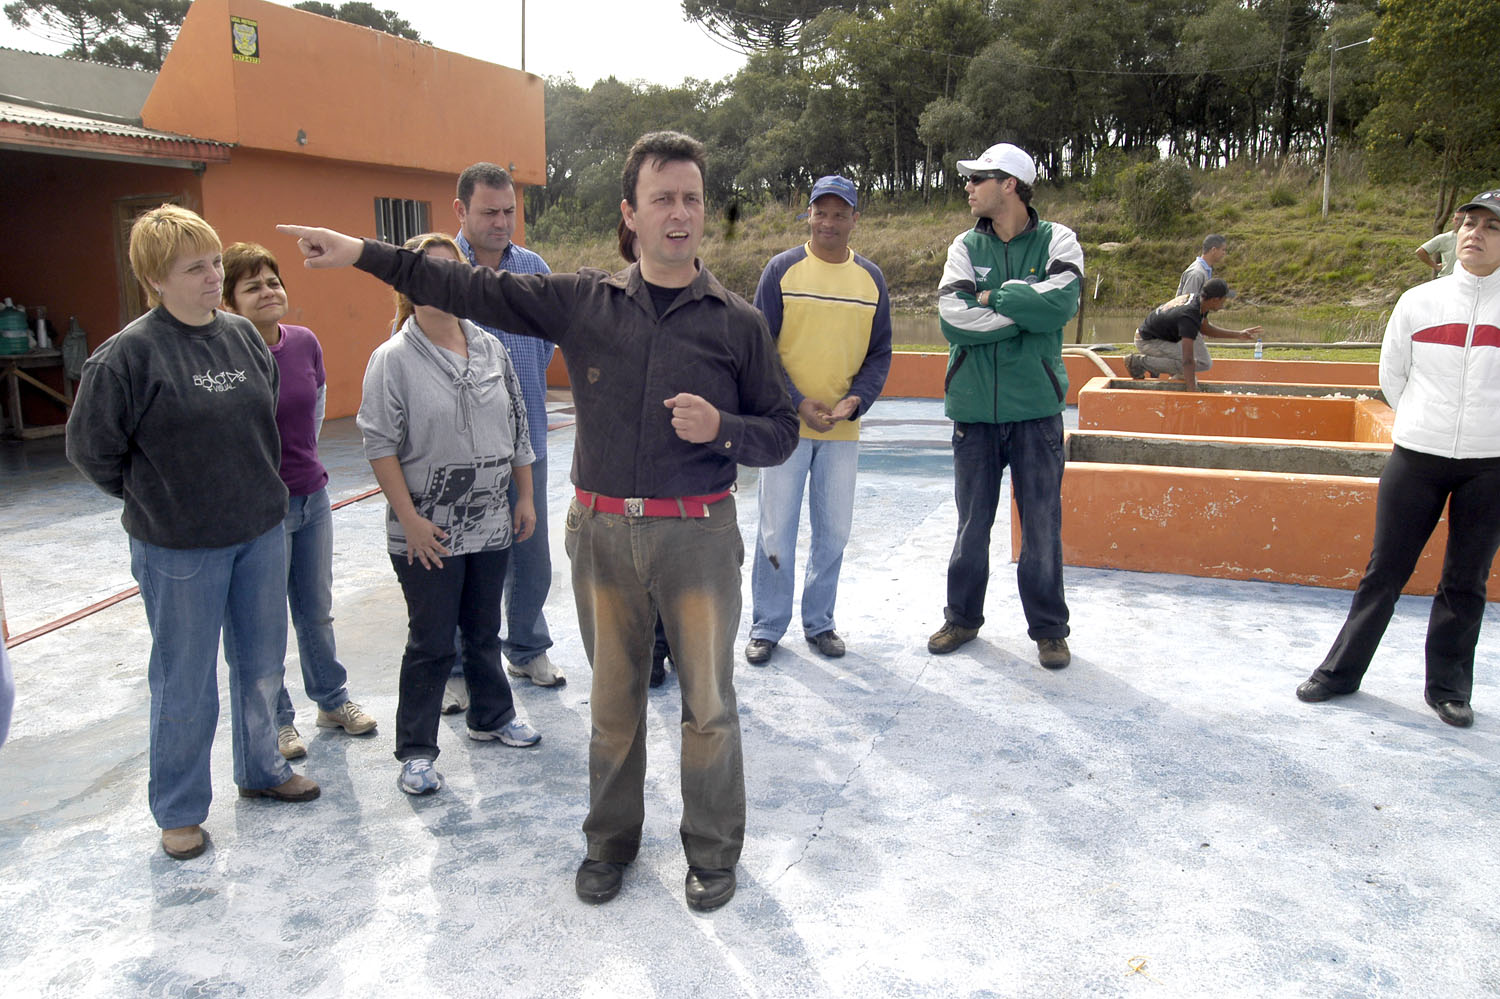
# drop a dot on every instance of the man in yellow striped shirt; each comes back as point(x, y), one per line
point(830, 315)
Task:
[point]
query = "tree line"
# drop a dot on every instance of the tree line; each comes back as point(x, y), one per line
point(893, 93)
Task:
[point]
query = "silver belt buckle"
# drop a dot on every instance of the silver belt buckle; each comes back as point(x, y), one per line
point(635, 506)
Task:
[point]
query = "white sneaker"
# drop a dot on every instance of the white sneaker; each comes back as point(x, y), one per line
point(539, 671)
point(455, 696)
point(289, 741)
point(419, 777)
point(513, 733)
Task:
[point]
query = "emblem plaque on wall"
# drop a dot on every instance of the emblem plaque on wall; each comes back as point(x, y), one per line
point(245, 35)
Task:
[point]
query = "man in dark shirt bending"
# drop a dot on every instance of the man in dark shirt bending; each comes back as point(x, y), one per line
point(676, 381)
point(1166, 341)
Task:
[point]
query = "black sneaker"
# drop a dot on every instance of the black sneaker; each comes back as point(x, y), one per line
point(828, 643)
point(758, 651)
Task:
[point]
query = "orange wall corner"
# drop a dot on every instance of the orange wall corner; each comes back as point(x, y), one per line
point(318, 87)
point(194, 92)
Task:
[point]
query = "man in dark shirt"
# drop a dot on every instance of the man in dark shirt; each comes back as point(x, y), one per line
point(675, 380)
point(1165, 341)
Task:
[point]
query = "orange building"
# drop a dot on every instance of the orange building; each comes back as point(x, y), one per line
point(261, 114)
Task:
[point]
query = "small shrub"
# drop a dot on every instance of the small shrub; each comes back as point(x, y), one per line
point(1155, 195)
point(1282, 196)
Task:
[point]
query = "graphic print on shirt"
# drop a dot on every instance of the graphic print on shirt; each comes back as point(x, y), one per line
point(464, 499)
point(224, 381)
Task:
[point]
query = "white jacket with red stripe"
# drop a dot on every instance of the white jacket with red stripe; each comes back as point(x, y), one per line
point(1440, 366)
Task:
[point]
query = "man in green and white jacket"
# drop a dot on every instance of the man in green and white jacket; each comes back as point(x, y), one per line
point(1010, 286)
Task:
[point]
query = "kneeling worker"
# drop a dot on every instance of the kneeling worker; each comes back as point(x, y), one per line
point(1170, 340)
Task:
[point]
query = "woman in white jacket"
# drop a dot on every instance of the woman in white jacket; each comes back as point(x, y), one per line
point(1440, 372)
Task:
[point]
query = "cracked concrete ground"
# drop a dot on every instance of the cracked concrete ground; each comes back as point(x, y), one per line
point(1163, 818)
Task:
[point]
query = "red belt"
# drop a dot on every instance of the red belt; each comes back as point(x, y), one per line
point(670, 506)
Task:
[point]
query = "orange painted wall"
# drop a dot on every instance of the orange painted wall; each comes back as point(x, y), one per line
point(1309, 529)
point(356, 94)
point(349, 310)
point(1198, 414)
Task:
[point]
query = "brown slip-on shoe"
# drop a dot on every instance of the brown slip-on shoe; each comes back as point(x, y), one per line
point(183, 842)
point(294, 788)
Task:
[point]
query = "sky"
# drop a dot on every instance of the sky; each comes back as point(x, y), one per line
point(591, 39)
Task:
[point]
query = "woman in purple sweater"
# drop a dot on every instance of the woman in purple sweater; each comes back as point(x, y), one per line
point(253, 289)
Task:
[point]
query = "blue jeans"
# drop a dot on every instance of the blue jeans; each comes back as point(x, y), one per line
point(191, 595)
point(309, 592)
point(528, 579)
point(463, 595)
point(1033, 450)
point(625, 570)
point(830, 466)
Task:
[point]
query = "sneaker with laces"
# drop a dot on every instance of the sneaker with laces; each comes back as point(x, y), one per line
point(289, 741)
point(455, 695)
point(1136, 365)
point(1053, 652)
point(949, 637)
point(539, 671)
point(513, 733)
point(419, 777)
point(348, 716)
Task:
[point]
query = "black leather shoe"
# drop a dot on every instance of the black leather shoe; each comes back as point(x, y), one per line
point(598, 881)
point(1313, 690)
point(828, 643)
point(658, 670)
point(1455, 713)
point(708, 888)
point(758, 652)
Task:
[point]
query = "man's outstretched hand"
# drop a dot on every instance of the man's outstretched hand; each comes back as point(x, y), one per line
point(324, 247)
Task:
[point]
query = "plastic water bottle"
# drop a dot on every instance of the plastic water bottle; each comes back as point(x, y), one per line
point(1257, 348)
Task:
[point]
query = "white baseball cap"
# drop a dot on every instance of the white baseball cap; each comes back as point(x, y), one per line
point(1001, 156)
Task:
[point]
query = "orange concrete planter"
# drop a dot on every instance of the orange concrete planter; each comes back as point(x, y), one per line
point(1081, 369)
point(1315, 530)
point(920, 375)
point(1305, 412)
point(1282, 522)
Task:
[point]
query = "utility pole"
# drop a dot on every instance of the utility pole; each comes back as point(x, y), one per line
point(1328, 133)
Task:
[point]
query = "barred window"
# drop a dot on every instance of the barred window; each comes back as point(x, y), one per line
point(399, 219)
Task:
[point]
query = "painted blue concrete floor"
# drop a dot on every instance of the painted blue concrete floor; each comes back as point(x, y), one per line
point(1163, 818)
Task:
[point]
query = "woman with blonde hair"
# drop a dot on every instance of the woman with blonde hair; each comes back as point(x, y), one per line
point(445, 429)
point(253, 289)
point(176, 415)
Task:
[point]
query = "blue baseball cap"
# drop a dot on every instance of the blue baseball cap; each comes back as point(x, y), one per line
point(842, 186)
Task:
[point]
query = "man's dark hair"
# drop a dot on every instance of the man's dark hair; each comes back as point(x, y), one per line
point(481, 174)
point(1213, 241)
point(660, 148)
point(1213, 288)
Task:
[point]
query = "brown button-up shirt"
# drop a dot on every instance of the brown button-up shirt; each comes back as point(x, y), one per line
point(624, 362)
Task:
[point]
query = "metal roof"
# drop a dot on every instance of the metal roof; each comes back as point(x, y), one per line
point(57, 130)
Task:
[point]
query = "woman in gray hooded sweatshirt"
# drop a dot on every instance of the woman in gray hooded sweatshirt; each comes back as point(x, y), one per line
point(444, 428)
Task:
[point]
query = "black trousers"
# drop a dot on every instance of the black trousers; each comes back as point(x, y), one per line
point(463, 594)
point(1414, 488)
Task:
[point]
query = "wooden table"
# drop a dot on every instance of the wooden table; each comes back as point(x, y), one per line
point(13, 375)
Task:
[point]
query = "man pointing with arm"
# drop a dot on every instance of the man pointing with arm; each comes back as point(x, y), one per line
point(676, 381)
